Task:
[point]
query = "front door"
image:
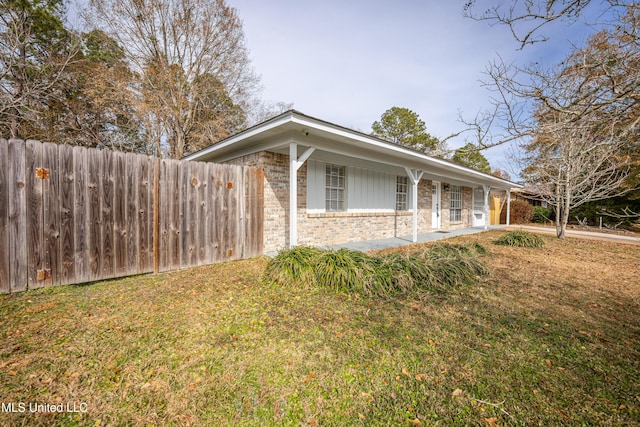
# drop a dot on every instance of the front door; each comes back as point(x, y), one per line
point(435, 205)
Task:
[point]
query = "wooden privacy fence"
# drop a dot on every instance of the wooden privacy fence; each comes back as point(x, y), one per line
point(74, 215)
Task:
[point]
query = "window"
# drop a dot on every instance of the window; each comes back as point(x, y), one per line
point(455, 210)
point(478, 199)
point(402, 185)
point(334, 188)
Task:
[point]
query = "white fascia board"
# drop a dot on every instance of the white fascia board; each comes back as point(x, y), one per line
point(239, 137)
point(386, 146)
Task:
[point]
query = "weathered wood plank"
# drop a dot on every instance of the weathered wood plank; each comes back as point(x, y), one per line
point(254, 211)
point(163, 207)
point(51, 215)
point(175, 220)
point(156, 215)
point(144, 168)
point(120, 215)
point(33, 152)
point(193, 193)
point(17, 216)
point(5, 287)
point(65, 167)
point(94, 229)
point(209, 238)
point(219, 225)
point(133, 219)
point(184, 213)
point(201, 245)
point(107, 196)
point(229, 215)
point(80, 216)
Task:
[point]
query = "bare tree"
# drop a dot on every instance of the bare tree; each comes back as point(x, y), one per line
point(527, 18)
point(610, 60)
point(570, 163)
point(35, 49)
point(191, 61)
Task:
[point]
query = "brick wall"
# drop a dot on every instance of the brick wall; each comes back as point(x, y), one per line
point(339, 227)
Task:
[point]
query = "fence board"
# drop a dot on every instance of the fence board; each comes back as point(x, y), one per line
point(120, 214)
point(93, 216)
point(254, 209)
point(51, 215)
point(145, 213)
point(175, 197)
point(80, 215)
point(94, 230)
point(18, 257)
point(107, 200)
point(132, 224)
point(4, 217)
point(33, 158)
point(202, 207)
point(67, 217)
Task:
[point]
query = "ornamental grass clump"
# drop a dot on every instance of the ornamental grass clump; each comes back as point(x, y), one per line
point(293, 266)
point(441, 267)
point(520, 238)
point(454, 265)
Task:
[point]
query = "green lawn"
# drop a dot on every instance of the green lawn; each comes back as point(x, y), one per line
point(550, 337)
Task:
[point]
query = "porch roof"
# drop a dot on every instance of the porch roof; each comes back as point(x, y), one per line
point(277, 133)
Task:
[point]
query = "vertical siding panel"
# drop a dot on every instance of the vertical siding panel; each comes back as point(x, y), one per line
point(33, 154)
point(5, 186)
point(67, 217)
point(17, 216)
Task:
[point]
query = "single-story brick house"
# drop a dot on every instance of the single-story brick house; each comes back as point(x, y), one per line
point(350, 186)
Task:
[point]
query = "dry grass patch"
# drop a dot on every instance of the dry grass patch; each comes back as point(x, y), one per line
point(550, 337)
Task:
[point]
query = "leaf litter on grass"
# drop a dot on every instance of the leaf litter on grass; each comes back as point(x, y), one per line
point(216, 346)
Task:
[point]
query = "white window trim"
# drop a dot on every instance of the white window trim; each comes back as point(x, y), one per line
point(402, 197)
point(455, 203)
point(341, 205)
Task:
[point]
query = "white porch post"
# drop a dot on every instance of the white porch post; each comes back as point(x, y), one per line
point(509, 207)
point(487, 189)
point(414, 176)
point(294, 164)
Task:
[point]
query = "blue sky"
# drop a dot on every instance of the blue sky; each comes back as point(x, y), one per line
point(349, 61)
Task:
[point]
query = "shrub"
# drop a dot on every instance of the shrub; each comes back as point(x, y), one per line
point(521, 212)
point(542, 215)
point(520, 238)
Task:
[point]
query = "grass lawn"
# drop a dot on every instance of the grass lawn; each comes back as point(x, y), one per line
point(550, 337)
